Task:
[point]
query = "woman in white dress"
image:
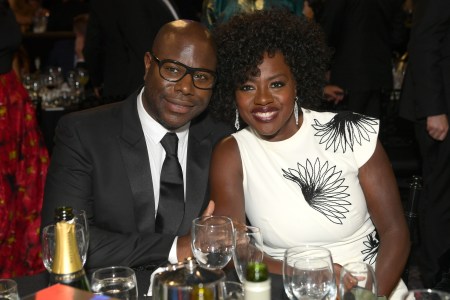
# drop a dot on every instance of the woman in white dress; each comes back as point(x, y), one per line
point(302, 176)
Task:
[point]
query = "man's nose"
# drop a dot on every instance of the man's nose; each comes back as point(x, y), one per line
point(185, 84)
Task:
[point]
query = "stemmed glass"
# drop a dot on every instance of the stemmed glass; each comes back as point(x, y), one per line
point(358, 281)
point(308, 273)
point(248, 247)
point(212, 241)
point(82, 236)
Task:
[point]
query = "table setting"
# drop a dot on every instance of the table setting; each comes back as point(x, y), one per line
point(307, 272)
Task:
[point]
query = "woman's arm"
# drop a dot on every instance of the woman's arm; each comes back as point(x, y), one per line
point(383, 201)
point(226, 181)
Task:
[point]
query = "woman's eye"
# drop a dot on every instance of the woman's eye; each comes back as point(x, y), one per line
point(245, 88)
point(277, 84)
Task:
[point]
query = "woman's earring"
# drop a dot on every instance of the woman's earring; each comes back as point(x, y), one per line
point(236, 123)
point(296, 110)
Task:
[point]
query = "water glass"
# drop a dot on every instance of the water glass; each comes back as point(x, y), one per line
point(358, 282)
point(212, 241)
point(233, 290)
point(426, 294)
point(308, 273)
point(248, 247)
point(8, 289)
point(117, 282)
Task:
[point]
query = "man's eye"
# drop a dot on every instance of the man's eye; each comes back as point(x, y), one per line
point(277, 84)
point(202, 76)
point(171, 68)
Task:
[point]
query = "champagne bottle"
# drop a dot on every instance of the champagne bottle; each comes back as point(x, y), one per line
point(67, 266)
point(257, 282)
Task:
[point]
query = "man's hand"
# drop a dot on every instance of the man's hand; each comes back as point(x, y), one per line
point(437, 127)
point(210, 209)
point(333, 93)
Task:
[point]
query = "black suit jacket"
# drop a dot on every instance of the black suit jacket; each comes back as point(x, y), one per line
point(361, 34)
point(100, 164)
point(118, 35)
point(426, 89)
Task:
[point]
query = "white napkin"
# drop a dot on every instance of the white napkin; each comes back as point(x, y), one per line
point(150, 288)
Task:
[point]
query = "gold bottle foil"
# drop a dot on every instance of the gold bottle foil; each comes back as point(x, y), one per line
point(67, 257)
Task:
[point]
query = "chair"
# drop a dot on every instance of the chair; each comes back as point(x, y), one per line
point(411, 214)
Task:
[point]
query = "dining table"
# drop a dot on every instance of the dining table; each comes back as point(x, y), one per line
point(28, 285)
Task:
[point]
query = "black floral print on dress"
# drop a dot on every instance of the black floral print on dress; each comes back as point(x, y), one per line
point(344, 129)
point(322, 187)
point(371, 247)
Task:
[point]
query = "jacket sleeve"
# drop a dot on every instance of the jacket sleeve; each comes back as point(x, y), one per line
point(431, 27)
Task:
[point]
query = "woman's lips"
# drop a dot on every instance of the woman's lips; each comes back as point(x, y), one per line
point(265, 115)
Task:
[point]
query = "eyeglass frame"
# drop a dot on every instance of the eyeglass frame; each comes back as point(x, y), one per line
point(189, 70)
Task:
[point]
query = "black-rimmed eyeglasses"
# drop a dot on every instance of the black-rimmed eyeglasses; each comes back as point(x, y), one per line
point(173, 71)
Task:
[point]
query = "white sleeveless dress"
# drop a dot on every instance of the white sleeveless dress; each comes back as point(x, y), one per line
point(305, 190)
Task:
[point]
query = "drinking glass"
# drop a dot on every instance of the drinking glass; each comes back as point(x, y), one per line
point(248, 247)
point(117, 282)
point(358, 281)
point(233, 290)
point(82, 76)
point(212, 241)
point(8, 289)
point(49, 243)
point(80, 217)
point(308, 273)
point(426, 294)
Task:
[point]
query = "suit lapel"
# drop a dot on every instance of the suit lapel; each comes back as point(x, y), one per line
point(135, 158)
point(197, 171)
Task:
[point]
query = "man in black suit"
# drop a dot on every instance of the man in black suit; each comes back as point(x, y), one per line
point(360, 33)
point(108, 160)
point(115, 45)
point(426, 101)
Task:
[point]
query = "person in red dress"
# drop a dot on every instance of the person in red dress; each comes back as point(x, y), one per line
point(23, 163)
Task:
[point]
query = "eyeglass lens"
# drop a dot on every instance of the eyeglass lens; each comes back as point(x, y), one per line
point(173, 71)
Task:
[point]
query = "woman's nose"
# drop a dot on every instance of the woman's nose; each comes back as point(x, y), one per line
point(263, 97)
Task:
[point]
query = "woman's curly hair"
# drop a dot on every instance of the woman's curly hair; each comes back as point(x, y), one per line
point(242, 43)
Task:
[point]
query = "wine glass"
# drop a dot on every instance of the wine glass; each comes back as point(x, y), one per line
point(117, 282)
point(308, 273)
point(312, 278)
point(426, 294)
point(358, 281)
point(212, 241)
point(248, 247)
point(80, 218)
point(49, 244)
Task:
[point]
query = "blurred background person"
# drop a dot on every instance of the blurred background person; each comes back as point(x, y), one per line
point(360, 33)
point(23, 162)
point(215, 12)
point(426, 101)
point(114, 46)
point(68, 53)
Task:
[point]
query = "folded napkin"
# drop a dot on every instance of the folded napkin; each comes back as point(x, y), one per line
point(150, 288)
